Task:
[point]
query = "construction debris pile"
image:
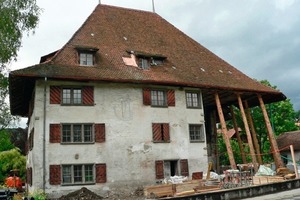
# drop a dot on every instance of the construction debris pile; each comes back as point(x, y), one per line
point(181, 186)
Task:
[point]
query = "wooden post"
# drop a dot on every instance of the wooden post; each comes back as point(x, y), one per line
point(249, 138)
point(254, 135)
point(236, 128)
point(274, 146)
point(294, 162)
point(224, 132)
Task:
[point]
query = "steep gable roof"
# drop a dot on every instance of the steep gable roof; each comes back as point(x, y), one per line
point(118, 32)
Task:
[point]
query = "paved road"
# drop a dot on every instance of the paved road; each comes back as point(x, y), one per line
point(287, 195)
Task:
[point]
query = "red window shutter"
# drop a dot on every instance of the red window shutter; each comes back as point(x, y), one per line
point(99, 133)
point(101, 173)
point(184, 167)
point(171, 97)
point(88, 95)
point(55, 175)
point(157, 132)
point(55, 95)
point(29, 176)
point(146, 97)
point(166, 132)
point(159, 169)
point(54, 133)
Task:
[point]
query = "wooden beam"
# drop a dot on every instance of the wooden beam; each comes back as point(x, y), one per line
point(224, 132)
point(253, 132)
point(274, 146)
point(236, 128)
point(294, 161)
point(249, 138)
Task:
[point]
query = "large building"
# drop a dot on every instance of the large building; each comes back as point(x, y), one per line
point(127, 101)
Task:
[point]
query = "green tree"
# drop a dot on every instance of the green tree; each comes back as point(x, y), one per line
point(12, 159)
point(17, 17)
point(5, 143)
point(6, 119)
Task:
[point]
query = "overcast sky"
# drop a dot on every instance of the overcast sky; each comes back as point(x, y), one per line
point(261, 38)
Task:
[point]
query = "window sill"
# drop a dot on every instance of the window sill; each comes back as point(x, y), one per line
point(75, 184)
point(194, 107)
point(76, 143)
point(161, 141)
point(197, 141)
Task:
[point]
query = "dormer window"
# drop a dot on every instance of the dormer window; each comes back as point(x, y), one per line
point(143, 63)
point(86, 55)
point(144, 60)
point(86, 59)
point(147, 62)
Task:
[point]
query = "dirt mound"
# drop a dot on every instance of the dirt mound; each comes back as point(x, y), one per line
point(82, 194)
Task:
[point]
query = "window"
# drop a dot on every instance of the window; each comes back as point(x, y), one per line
point(160, 132)
point(143, 63)
point(193, 100)
point(68, 174)
point(78, 174)
point(196, 133)
point(167, 168)
point(77, 133)
point(30, 140)
point(86, 59)
point(158, 98)
point(71, 96)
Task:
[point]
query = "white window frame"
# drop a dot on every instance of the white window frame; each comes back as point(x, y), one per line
point(72, 97)
point(193, 99)
point(72, 174)
point(72, 132)
point(86, 58)
point(196, 135)
point(158, 98)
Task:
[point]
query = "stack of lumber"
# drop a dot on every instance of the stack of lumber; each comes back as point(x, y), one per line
point(180, 189)
point(258, 180)
point(163, 190)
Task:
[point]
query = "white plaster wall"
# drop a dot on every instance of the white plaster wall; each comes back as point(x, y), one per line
point(128, 151)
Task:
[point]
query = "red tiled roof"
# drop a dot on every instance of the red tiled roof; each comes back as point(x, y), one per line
point(115, 32)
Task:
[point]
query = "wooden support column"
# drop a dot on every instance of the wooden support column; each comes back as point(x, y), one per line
point(249, 138)
point(224, 132)
point(274, 146)
point(240, 142)
point(253, 133)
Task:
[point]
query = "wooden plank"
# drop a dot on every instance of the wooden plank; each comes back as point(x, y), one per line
point(163, 190)
point(258, 180)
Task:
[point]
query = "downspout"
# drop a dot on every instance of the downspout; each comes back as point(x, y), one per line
point(44, 136)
